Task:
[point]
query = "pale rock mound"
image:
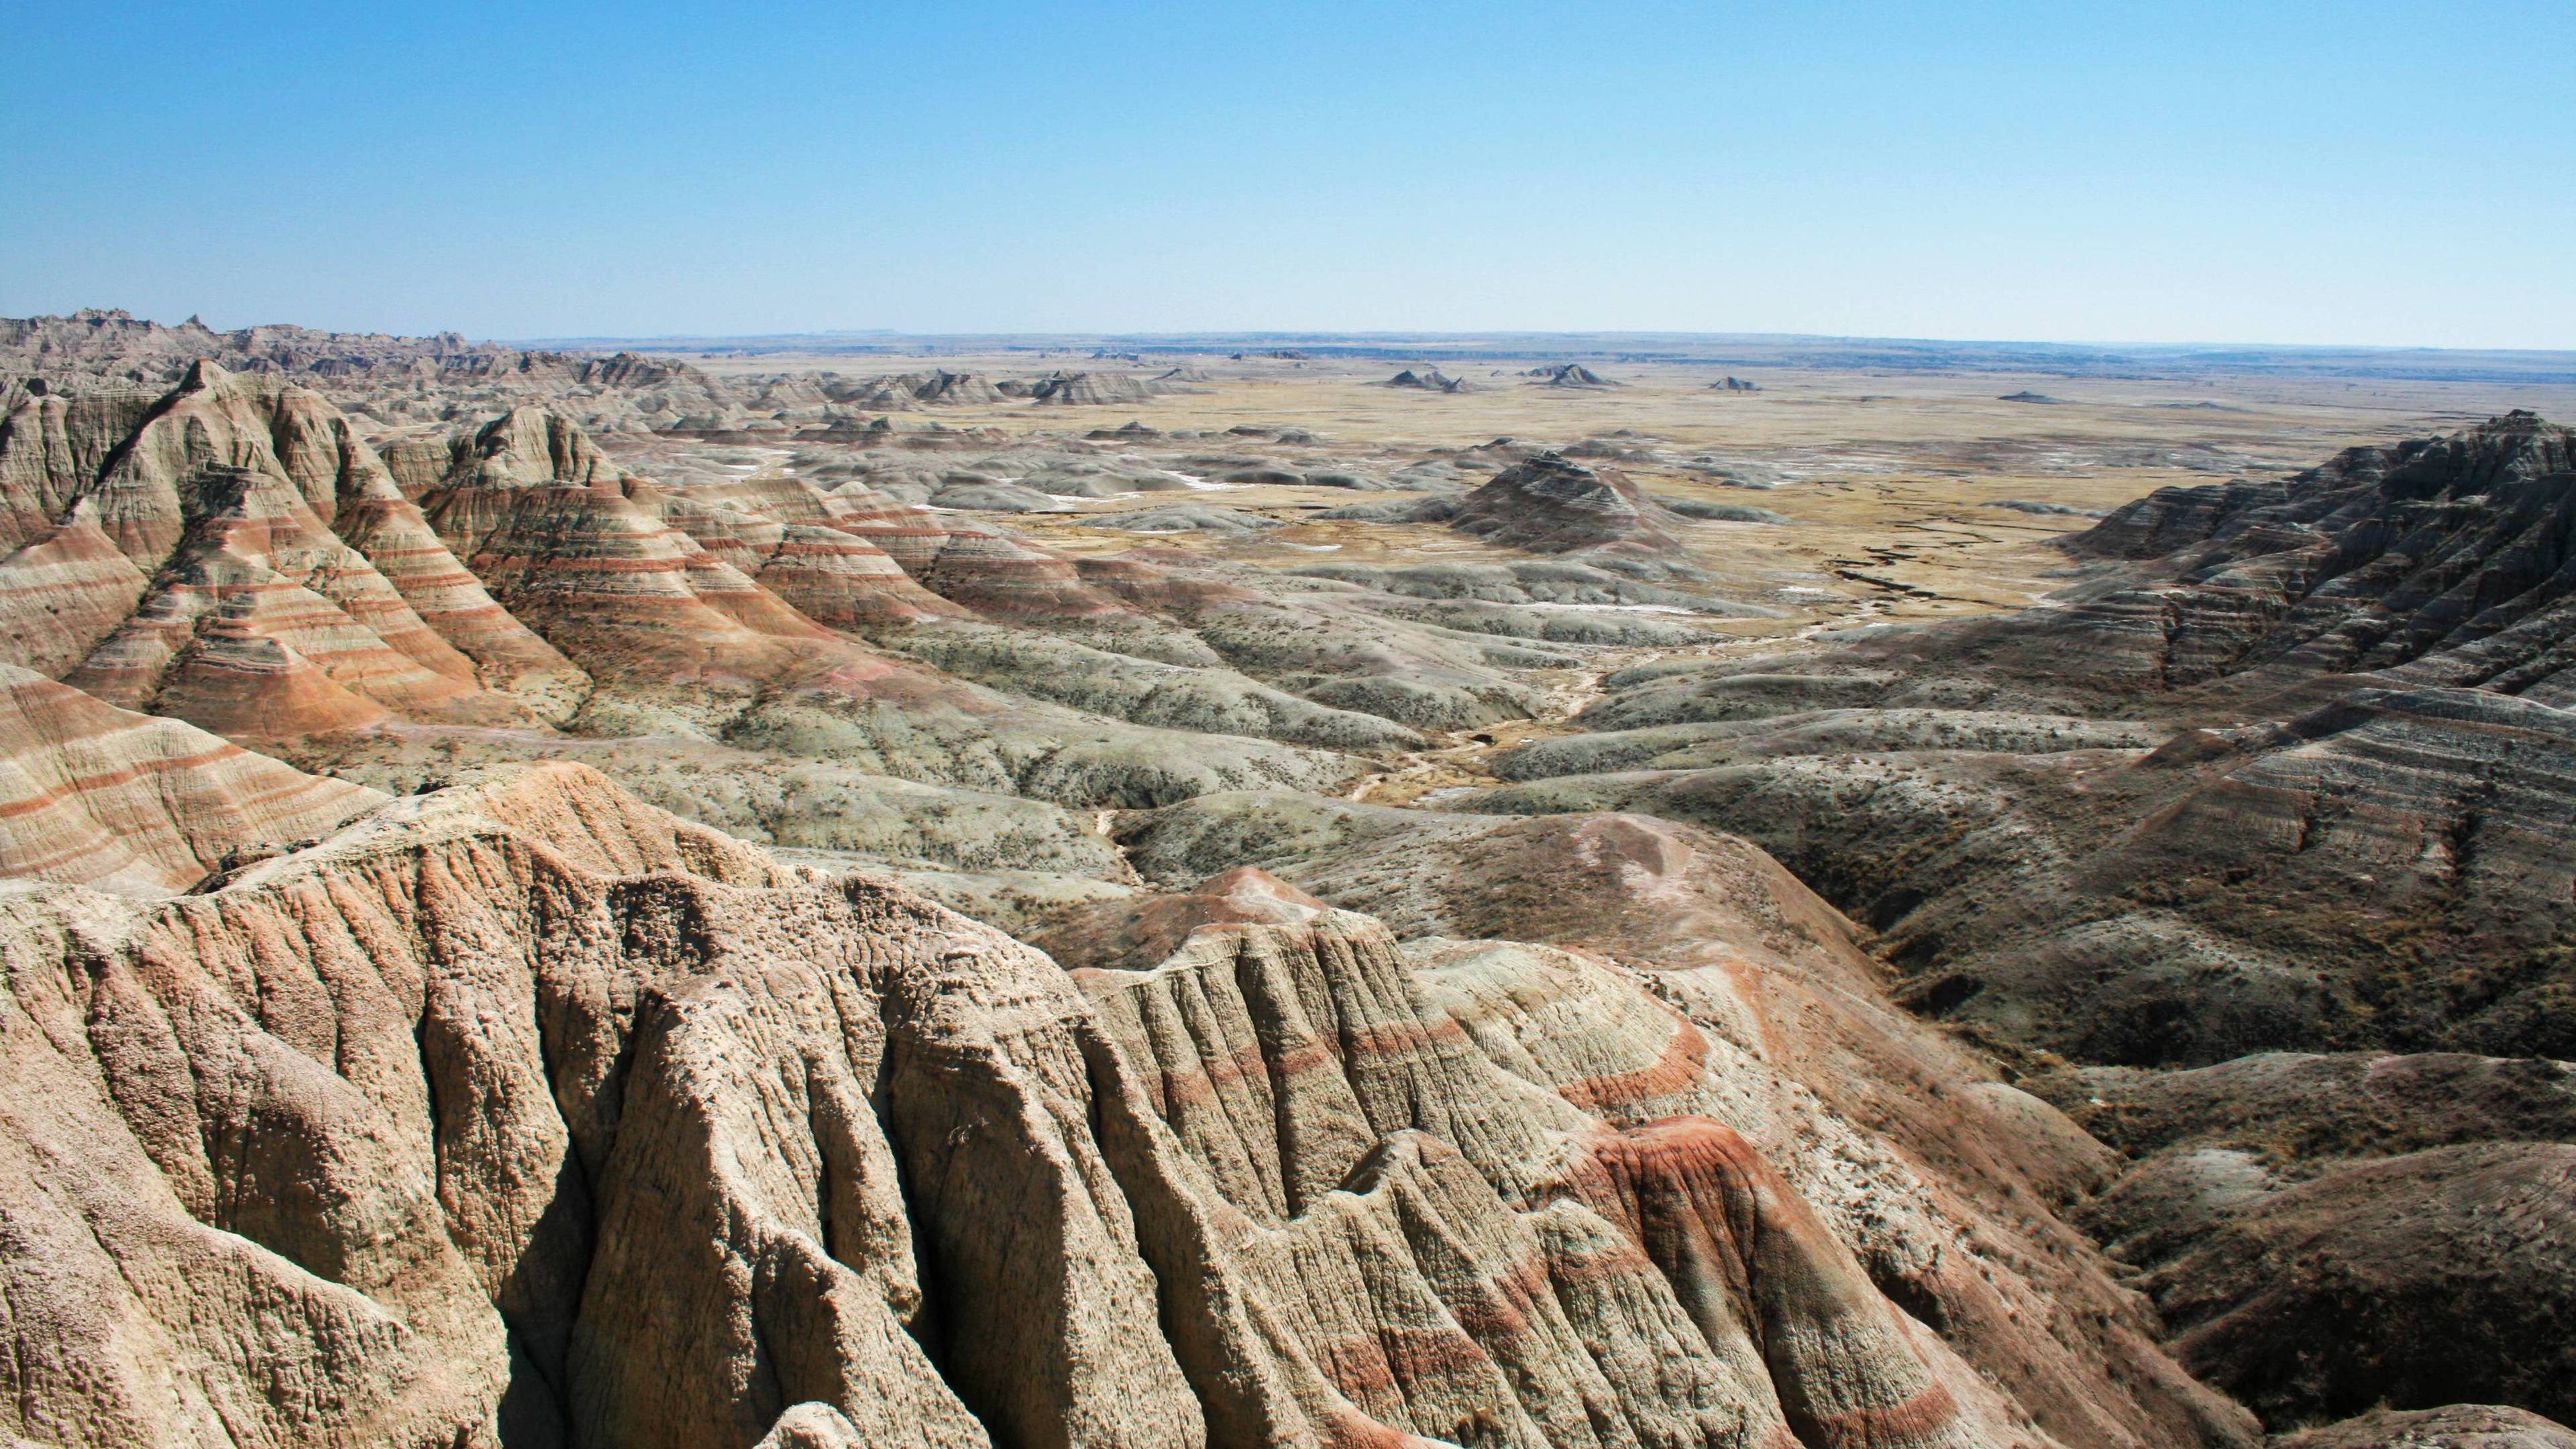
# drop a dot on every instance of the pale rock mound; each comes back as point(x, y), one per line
point(1549, 505)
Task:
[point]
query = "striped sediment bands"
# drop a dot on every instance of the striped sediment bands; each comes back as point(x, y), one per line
point(744, 540)
point(218, 492)
point(1459, 1252)
point(51, 448)
point(392, 534)
point(1747, 1256)
point(1147, 587)
point(842, 580)
point(994, 576)
point(1431, 1306)
point(61, 594)
point(626, 596)
point(1345, 1055)
point(909, 535)
point(731, 592)
point(1554, 1018)
point(600, 577)
point(2435, 798)
point(239, 569)
point(968, 564)
point(772, 494)
point(94, 795)
point(236, 679)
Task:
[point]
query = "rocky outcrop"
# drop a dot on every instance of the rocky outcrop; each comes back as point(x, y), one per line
point(1375, 1144)
point(53, 448)
point(113, 343)
point(2427, 1278)
point(956, 387)
point(1430, 379)
point(2445, 560)
point(2281, 771)
point(2334, 1231)
point(389, 1199)
point(2360, 751)
point(1568, 374)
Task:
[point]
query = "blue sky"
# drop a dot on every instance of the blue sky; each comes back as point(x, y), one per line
point(2322, 173)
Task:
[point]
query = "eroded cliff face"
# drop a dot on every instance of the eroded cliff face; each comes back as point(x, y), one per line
point(523, 1113)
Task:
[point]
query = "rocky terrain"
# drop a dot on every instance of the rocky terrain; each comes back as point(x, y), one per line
point(593, 899)
point(2287, 770)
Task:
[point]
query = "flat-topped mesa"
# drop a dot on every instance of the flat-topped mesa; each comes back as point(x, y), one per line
point(771, 495)
point(98, 796)
point(1549, 505)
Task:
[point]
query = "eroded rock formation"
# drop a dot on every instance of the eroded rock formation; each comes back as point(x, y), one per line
point(521, 1111)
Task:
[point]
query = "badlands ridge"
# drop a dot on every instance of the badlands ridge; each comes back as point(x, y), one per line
point(558, 899)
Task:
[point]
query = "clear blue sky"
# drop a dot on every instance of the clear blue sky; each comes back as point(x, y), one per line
point(2249, 171)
